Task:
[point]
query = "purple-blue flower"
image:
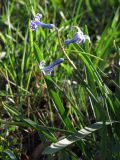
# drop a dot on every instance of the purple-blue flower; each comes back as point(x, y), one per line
point(78, 37)
point(47, 70)
point(36, 22)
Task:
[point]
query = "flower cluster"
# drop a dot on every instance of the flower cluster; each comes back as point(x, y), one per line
point(36, 22)
point(47, 70)
point(78, 37)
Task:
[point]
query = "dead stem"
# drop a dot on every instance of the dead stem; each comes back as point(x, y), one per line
point(62, 47)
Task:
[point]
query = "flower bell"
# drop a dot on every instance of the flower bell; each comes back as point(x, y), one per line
point(47, 70)
point(36, 22)
point(78, 37)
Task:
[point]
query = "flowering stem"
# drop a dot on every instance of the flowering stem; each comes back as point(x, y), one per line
point(73, 65)
point(62, 47)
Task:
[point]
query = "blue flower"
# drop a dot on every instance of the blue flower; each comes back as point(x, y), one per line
point(36, 22)
point(47, 70)
point(78, 37)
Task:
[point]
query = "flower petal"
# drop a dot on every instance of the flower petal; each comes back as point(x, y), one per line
point(44, 25)
point(38, 16)
point(41, 65)
point(33, 25)
point(58, 61)
point(68, 41)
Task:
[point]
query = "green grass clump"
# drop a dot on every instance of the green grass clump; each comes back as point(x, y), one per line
point(73, 114)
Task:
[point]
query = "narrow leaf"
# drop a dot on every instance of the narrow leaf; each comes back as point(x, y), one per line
point(57, 101)
point(56, 147)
